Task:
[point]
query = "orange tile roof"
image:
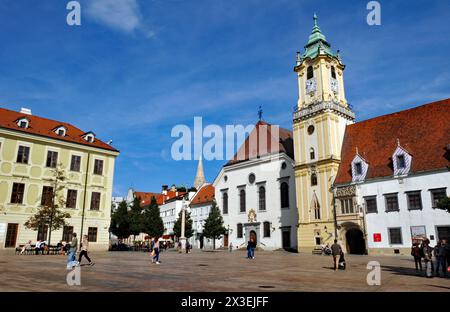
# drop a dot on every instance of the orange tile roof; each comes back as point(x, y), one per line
point(161, 199)
point(204, 195)
point(45, 127)
point(423, 131)
point(284, 144)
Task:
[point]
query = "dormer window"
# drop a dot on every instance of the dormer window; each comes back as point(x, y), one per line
point(89, 137)
point(359, 168)
point(401, 161)
point(61, 131)
point(23, 123)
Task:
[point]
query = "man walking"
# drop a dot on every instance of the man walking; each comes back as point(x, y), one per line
point(439, 253)
point(72, 252)
point(336, 251)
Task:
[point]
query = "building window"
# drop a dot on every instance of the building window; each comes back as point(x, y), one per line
point(242, 200)
point(443, 232)
point(42, 232)
point(52, 159)
point(401, 162)
point(310, 129)
point(75, 163)
point(251, 178)
point(262, 198)
point(310, 73)
point(23, 154)
point(92, 234)
point(95, 201)
point(371, 204)
point(391, 202)
point(23, 123)
point(358, 168)
point(71, 199)
point(414, 200)
point(313, 179)
point(347, 206)
point(47, 196)
point(225, 202)
point(284, 193)
point(239, 230)
point(317, 212)
point(437, 195)
point(395, 236)
point(17, 193)
point(312, 154)
point(67, 234)
point(98, 167)
point(333, 72)
point(266, 229)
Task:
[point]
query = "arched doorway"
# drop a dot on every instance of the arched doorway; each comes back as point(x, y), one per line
point(355, 241)
point(253, 236)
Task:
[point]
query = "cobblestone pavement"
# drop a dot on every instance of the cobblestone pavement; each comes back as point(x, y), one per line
point(212, 271)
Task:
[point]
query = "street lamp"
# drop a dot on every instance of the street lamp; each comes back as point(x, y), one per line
point(183, 225)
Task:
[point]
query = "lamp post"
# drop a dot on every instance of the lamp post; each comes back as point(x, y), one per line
point(183, 226)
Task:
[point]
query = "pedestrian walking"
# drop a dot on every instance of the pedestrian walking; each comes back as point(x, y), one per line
point(231, 247)
point(71, 262)
point(440, 256)
point(427, 257)
point(336, 251)
point(416, 253)
point(155, 252)
point(84, 250)
point(251, 246)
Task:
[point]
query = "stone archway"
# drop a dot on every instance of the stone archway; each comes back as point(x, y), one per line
point(354, 238)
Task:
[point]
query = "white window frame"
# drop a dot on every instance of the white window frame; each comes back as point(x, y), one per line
point(364, 168)
point(408, 160)
point(23, 119)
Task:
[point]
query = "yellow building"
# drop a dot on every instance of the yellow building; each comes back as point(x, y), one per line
point(319, 126)
point(31, 148)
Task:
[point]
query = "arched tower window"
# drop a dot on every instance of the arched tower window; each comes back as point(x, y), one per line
point(262, 198)
point(333, 72)
point(312, 153)
point(310, 73)
point(284, 193)
point(313, 179)
point(266, 229)
point(242, 200)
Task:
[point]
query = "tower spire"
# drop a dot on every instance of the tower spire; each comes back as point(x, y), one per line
point(200, 176)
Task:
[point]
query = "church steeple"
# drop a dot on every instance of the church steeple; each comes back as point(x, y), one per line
point(200, 176)
point(317, 43)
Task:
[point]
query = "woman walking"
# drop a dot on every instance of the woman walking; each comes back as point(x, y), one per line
point(84, 250)
point(155, 251)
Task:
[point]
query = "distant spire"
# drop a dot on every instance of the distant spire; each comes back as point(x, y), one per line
point(398, 142)
point(200, 176)
point(260, 112)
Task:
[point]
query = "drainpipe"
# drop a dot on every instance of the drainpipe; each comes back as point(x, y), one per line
point(84, 199)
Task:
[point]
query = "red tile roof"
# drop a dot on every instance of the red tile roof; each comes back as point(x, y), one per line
point(282, 144)
point(204, 196)
point(423, 131)
point(161, 199)
point(45, 127)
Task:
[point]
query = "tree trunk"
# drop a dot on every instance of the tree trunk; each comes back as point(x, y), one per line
point(214, 243)
point(50, 232)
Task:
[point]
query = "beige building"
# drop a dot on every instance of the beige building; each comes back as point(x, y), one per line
point(31, 147)
point(319, 125)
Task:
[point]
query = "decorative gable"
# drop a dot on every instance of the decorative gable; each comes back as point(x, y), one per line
point(89, 136)
point(401, 161)
point(61, 131)
point(359, 168)
point(23, 123)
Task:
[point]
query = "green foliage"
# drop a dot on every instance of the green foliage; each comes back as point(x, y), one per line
point(50, 213)
point(192, 189)
point(152, 222)
point(188, 231)
point(213, 227)
point(181, 188)
point(120, 221)
point(444, 204)
point(136, 217)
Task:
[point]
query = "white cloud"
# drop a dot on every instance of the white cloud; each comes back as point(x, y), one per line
point(122, 15)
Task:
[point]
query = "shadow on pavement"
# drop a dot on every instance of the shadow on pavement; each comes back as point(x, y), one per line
point(403, 271)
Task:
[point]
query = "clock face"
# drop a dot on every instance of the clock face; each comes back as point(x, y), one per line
point(310, 85)
point(334, 85)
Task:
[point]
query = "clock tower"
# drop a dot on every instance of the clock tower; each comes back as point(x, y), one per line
point(319, 125)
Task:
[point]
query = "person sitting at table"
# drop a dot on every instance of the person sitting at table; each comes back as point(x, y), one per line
point(37, 247)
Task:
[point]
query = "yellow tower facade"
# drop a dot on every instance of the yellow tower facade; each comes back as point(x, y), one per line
point(319, 126)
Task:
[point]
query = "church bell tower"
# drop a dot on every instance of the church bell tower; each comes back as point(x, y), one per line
point(319, 125)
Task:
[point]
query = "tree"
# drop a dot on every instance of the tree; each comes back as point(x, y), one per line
point(444, 204)
point(49, 214)
point(152, 222)
point(120, 221)
point(213, 227)
point(136, 217)
point(188, 231)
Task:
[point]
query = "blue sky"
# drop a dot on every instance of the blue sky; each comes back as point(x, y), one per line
point(136, 68)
